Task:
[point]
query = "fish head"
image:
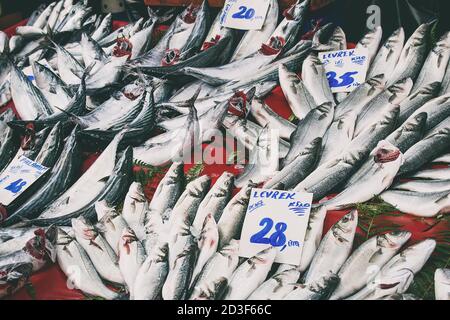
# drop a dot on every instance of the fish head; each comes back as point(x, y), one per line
point(344, 229)
point(161, 252)
point(417, 124)
point(85, 229)
point(175, 174)
point(400, 90)
point(412, 258)
point(297, 10)
point(104, 211)
point(127, 238)
point(198, 187)
point(231, 249)
point(189, 15)
point(396, 39)
point(226, 183)
point(314, 147)
point(136, 192)
point(386, 152)
point(393, 240)
point(41, 246)
point(443, 44)
point(420, 36)
point(239, 103)
point(377, 82)
point(442, 276)
point(266, 256)
point(371, 36)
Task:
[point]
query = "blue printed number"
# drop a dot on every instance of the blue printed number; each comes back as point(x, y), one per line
point(346, 79)
point(16, 186)
point(277, 239)
point(244, 13)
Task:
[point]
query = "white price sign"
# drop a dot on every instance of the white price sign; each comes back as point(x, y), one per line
point(20, 174)
point(276, 218)
point(244, 14)
point(345, 69)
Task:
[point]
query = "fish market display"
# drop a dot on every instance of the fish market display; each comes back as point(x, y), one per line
point(155, 133)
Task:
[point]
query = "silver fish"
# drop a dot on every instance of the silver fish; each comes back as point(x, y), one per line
point(410, 132)
point(437, 109)
point(388, 55)
point(432, 174)
point(442, 159)
point(336, 41)
point(398, 273)
point(442, 284)
point(110, 224)
point(371, 41)
point(276, 287)
point(16, 240)
point(14, 277)
point(416, 100)
point(250, 275)
point(135, 208)
point(423, 186)
point(314, 291)
point(362, 266)
point(75, 263)
point(315, 80)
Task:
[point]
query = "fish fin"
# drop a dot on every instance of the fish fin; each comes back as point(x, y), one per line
point(104, 179)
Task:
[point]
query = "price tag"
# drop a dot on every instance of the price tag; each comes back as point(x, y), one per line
point(20, 174)
point(276, 218)
point(345, 69)
point(244, 14)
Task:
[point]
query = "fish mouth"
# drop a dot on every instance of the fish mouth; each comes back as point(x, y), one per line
point(275, 45)
point(191, 14)
point(385, 155)
point(237, 104)
point(123, 48)
point(171, 57)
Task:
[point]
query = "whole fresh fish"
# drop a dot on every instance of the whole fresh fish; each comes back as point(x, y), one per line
point(135, 208)
point(398, 273)
point(315, 80)
point(388, 55)
point(434, 144)
point(330, 174)
point(61, 177)
point(437, 109)
point(334, 249)
point(75, 263)
point(182, 257)
point(131, 257)
point(215, 200)
point(187, 205)
point(433, 69)
point(14, 277)
point(361, 267)
point(29, 101)
point(263, 160)
point(442, 284)
point(409, 133)
point(423, 186)
point(232, 219)
point(298, 169)
point(413, 55)
point(313, 126)
point(375, 109)
point(276, 287)
point(297, 96)
point(152, 274)
point(422, 204)
point(418, 99)
point(110, 224)
point(384, 165)
point(207, 244)
point(253, 39)
point(169, 189)
point(218, 269)
point(99, 251)
point(371, 42)
point(250, 275)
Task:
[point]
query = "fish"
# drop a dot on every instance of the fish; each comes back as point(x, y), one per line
point(61, 177)
point(182, 256)
point(169, 189)
point(371, 42)
point(441, 284)
point(215, 200)
point(218, 269)
point(423, 186)
point(276, 287)
point(445, 85)
point(70, 70)
point(333, 173)
point(437, 109)
point(76, 265)
point(29, 101)
point(315, 80)
point(131, 257)
point(216, 32)
point(110, 224)
point(152, 274)
point(314, 291)
point(334, 249)
point(409, 133)
point(15, 239)
point(250, 275)
point(232, 219)
point(336, 41)
point(263, 160)
point(413, 55)
point(442, 159)
point(187, 205)
point(434, 144)
point(388, 55)
point(156, 230)
point(92, 53)
point(42, 19)
point(314, 125)
point(297, 95)
point(397, 274)
point(421, 204)
point(135, 208)
point(432, 174)
point(374, 110)
point(433, 69)
point(299, 169)
point(208, 240)
point(252, 40)
point(361, 267)
point(98, 249)
point(9, 145)
point(104, 29)
point(417, 99)
point(141, 40)
point(53, 18)
point(384, 165)
point(14, 277)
